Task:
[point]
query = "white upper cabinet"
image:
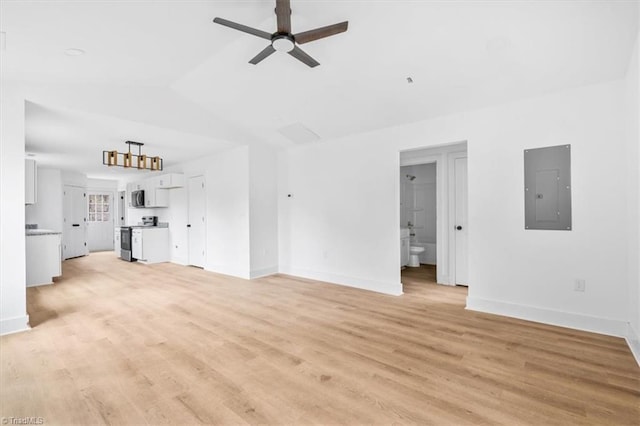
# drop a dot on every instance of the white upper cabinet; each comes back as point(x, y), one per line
point(30, 182)
point(153, 196)
point(171, 180)
point(155, 189)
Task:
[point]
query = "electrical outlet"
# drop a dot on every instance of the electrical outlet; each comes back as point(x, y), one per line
point(579, 285)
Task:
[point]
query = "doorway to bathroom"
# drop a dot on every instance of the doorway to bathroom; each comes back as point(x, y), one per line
point(418, 219)
point(433, 215)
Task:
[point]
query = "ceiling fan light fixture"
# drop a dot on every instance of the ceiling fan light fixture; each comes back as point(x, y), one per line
point(283, 43)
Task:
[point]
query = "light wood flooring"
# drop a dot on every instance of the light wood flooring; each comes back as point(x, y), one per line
point(424, 274)
point(124, 343)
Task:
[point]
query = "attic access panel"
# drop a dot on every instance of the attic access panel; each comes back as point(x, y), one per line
point(547, 188)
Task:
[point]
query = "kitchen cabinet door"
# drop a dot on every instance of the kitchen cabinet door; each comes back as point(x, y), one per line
point(171, 180)
point(43, 261)
point(155, 244)
point(136, 244)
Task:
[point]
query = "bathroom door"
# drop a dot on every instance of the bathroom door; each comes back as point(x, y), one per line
point(460, 189)
point(196, 224)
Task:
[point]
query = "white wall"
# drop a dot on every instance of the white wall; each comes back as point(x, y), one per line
point(344, 188)
point(632, 156)
point(74, 178)
point(98, 184)
point(227, 184)
point(227, 210)
point(47, 213)
point(341, 222)
point(263, 210)
point(13, 309)
point(241, 210)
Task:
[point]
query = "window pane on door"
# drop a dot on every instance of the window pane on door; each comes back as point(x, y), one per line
point(99, 208)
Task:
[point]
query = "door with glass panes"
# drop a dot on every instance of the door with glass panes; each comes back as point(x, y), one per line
point(100, 223)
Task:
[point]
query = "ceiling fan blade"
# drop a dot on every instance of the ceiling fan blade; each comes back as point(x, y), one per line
point(300, 55)
point(260, 56)
point(283, 13)
point(243, 28)
point(318, 33)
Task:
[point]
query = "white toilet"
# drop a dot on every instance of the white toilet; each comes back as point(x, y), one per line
point(414, 260)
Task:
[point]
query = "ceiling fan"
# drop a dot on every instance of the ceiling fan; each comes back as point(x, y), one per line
point(282, 40)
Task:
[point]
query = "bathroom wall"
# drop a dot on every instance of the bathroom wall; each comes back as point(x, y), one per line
point(418, 206)
point(420, 200)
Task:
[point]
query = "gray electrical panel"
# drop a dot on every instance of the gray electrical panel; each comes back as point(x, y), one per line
point(547, 188)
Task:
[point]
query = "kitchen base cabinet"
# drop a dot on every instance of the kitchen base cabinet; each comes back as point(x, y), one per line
point(150, 245)
point(43, 258)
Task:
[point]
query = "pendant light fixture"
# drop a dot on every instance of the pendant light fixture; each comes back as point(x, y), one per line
point(130, 160)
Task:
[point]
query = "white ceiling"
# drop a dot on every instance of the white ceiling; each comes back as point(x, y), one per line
point(460, 55)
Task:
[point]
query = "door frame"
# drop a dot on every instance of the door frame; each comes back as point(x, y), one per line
point(443, 156)
point(121, 208)
point(204, 182)
point(452, 212)
point(442, 258)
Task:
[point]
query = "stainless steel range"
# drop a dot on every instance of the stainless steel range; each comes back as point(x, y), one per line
point(126, 235)
point(125, 243)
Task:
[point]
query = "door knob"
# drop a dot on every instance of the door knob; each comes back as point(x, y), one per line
point(459, 228)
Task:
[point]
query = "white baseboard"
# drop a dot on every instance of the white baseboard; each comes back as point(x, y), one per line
point(226, 270)
point(633, 340)
point(14, 325)
point(599, 325)
point(264, 272)
point(443, 279)
point(179, 261)
point(393, 289)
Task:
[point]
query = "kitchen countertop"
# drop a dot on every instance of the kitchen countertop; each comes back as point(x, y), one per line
point(32, 232)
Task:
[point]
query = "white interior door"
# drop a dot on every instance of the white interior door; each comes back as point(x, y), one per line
point(100, 223)
point(74, 232)
point(460, 173)
point(196, 221)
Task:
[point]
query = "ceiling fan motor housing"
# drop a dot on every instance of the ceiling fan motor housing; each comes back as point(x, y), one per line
point(283, 42)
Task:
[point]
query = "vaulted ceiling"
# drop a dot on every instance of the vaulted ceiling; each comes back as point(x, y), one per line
point(460, 55)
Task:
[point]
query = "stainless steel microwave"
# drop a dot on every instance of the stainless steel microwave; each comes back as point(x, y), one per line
point(137, 198)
